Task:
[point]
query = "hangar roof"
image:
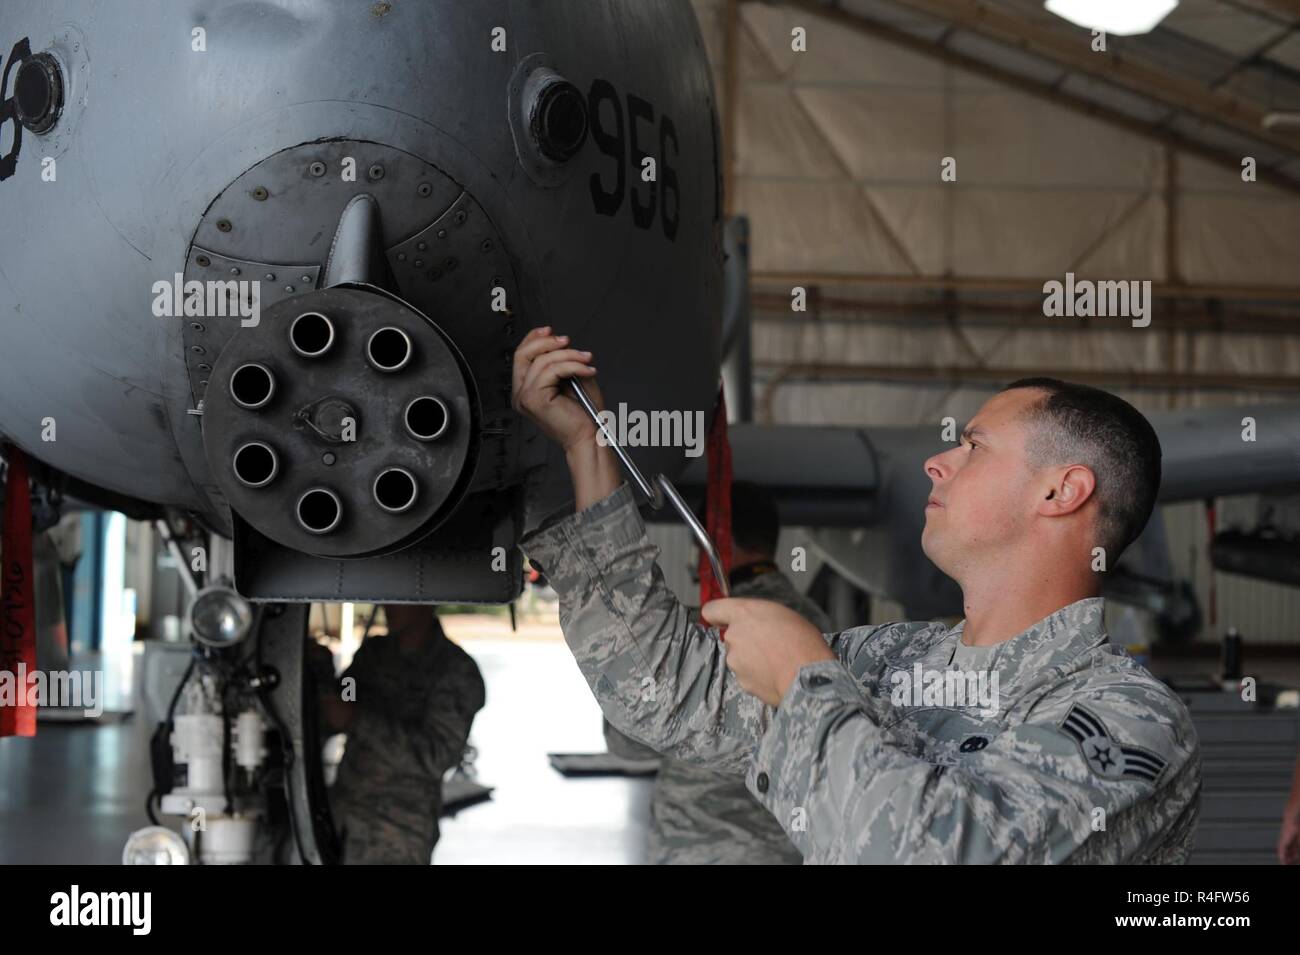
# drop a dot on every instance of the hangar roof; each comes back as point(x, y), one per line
point(1212, 78)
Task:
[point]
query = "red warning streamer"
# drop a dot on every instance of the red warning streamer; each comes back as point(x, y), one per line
point(17, 599)
point(718, 522)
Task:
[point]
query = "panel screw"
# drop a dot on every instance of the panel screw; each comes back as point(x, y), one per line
point(198, 349)
point(442, 233)
point(450, 264)
point(197, 326)
point(486, 245)
point(288, 288)
point(317, 168)
point(202, 261)
point(375, 172)
point(421, 246)
point(260, 193)
point(223, 225)
point(401, 256)
point(234, 270)
point(424, 190)
point(419, 263)
point(270, 276)
point(328, 458)
point(204, 366)
point(460, 217)
point(306, 278)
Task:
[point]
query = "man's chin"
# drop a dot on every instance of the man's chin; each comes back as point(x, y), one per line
point(927, 542)
point(930, 547)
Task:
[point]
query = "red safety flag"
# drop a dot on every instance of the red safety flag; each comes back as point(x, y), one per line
point(718, 522)
point(17, 601)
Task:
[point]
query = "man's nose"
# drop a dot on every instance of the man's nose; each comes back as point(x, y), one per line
point(936, 467)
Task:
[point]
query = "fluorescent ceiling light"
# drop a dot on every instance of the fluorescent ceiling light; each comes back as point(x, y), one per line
point(1120, 17)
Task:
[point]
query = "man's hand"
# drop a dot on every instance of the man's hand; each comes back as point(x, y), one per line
point(542, 362)
point(767, 644)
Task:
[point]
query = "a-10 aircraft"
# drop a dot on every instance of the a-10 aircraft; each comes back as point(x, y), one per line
point(264, 270)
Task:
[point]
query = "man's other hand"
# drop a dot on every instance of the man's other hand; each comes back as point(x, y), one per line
point(767, 644)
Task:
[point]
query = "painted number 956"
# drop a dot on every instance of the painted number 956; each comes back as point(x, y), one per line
point(622, 137)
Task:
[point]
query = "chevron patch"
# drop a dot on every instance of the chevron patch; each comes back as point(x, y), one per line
point(1105, 757)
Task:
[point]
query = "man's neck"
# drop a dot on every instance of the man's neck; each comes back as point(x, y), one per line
point(999, 608)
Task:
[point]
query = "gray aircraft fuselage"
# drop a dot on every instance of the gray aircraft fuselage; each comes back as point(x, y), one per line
point(155, 148)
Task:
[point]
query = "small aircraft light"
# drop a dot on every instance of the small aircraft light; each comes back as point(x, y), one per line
point(219, 617)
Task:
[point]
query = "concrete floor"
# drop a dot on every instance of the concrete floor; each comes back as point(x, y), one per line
point(538, 703)
point(74, 793)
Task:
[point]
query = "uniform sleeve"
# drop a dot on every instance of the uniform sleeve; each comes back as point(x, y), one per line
point(658, 674)
point(435, 743)
point(623, 746)
point(844, 792)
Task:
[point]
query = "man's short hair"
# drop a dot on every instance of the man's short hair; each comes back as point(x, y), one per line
point(755, 522)
point(1078, 424)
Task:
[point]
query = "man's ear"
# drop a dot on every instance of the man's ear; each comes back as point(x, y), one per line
point(1070, 489)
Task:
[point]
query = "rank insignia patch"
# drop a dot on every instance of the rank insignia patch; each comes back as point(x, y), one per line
point(1104, 756)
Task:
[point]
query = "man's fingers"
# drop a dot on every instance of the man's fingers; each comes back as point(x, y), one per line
point(722, 611)
point(536, 343)
point(545, 372)
point(566, 369)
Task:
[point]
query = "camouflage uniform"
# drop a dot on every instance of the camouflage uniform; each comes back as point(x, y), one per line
point(1087, 757)
point(413, 718)
point(702, 817)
